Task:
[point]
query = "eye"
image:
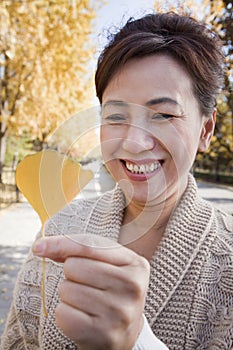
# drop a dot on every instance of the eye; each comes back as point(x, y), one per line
point(115, 119)
point(162, 116)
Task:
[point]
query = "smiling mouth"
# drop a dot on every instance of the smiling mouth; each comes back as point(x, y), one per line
point(145, 169)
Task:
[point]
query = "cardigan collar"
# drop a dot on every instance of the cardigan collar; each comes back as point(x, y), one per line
point(185, 234)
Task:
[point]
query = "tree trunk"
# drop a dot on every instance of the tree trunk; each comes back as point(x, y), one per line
point(3, 137)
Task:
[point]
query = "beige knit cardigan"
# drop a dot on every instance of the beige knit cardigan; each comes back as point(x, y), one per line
point(190, 297)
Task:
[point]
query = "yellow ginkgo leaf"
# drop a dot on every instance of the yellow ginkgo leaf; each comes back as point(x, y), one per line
point(49, 181)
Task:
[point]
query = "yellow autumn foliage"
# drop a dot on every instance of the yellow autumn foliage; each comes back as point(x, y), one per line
point(45, 50)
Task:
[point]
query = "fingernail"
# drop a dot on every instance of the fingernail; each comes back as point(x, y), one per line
point(38, 247)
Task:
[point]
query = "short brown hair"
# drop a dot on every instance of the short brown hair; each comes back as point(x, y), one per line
point(182, 37)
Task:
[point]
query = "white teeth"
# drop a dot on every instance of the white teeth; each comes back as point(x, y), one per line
point(135, 169)
point(130, 166)
point(143, 168)
point(152, 167)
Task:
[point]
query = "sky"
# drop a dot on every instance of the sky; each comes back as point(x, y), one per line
point(116, 12)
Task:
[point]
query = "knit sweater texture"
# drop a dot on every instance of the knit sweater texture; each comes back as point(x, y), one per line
point(189, 302)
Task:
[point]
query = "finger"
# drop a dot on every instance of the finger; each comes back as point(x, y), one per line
point(58, 248)
point(96, 303)
point(86, 331)
point(90, 272)
point(104, 276)
point(73, 322)
point(82, 297)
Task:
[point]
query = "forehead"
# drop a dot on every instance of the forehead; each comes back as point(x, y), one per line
point(156, 76)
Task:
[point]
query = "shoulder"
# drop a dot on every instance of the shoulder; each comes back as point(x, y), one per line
point(220, 260)
point(224, 228)
point(212, 307)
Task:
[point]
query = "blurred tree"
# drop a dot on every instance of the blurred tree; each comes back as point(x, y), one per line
point(219, 15)
point(45, 50)
point(219, 156)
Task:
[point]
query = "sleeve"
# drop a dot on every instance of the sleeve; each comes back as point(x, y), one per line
point(11, 338)
point(22, 324)
point(147, 340)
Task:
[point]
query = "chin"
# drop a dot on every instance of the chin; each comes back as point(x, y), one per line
point(143, 194)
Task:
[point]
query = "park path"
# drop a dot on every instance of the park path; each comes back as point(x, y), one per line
point(19, 225)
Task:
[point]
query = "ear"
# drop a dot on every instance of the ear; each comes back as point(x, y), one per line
point(207, 131)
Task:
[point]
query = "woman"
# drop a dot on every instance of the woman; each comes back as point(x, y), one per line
point(152, 261)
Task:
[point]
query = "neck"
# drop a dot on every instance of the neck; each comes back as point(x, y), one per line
point(144, 224)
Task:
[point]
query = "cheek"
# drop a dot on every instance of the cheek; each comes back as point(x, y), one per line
point(110, 141)
point(177, 139)
point(183, 147)
point(189, 140)
point(170, 139)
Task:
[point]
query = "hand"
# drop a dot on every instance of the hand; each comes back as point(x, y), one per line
point(103, 295)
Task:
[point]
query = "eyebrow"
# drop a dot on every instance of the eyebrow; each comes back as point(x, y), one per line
point(154, 101)
point(161, 100)
point(116, 103)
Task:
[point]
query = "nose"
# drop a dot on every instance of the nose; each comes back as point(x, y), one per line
point(137, 140)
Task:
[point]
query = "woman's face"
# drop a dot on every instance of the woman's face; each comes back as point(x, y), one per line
point(151, 128)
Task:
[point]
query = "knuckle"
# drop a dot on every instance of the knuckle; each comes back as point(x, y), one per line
point(113, 325)
point(111, 338)
point(135, 289)
point(59, 245)
point(87, 249)
point(137, 278)
point(144, 264)
point(69, 267)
